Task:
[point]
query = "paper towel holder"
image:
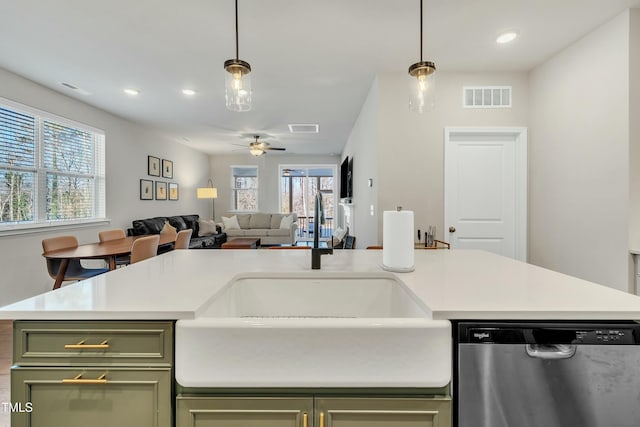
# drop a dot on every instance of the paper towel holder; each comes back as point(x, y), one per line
point(394, 268)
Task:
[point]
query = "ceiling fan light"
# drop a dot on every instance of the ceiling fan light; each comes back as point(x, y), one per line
point(256, 151)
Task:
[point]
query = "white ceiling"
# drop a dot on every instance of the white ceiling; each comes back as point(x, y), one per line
point(312, 61)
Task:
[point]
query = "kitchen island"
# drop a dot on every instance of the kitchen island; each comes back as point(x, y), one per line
point(141, 302)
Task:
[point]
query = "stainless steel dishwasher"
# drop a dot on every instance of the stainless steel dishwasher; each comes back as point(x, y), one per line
point(516, 374)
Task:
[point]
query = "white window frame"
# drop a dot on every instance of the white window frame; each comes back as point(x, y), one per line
point(40, 221)
point(232, 199)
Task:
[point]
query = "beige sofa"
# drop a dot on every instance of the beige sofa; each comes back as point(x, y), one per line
point(264, 226)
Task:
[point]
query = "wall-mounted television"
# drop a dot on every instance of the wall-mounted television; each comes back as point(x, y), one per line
point(344, 177)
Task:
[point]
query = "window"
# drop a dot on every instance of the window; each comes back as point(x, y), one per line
point(52, 170)
point(298, 187)
point(244, 188)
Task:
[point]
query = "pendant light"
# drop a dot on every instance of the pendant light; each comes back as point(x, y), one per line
point(237, 80)
point(421, 89)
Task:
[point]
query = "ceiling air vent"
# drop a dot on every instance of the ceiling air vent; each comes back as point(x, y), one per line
point(304, 128)
point(486, 96)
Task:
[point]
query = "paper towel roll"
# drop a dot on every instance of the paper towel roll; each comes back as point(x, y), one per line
point(397, 241)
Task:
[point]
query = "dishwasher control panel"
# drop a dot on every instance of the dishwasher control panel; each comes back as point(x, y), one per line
point(604, 336)
point(558, 333)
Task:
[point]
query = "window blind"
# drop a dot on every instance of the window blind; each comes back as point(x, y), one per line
point(51, 169)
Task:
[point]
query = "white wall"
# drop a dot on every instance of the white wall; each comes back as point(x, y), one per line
point(411, 146)
point(579, 168)
point(363, 147)
point(23, 270)
point(634, 129)
point(268, 181)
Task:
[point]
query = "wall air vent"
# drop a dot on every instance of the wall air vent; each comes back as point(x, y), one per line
point(304, 128)
point(486, 96)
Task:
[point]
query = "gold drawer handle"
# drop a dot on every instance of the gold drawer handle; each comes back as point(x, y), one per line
point(305, 420)
point(321, 419)
point(82, 346)
point(102, 379)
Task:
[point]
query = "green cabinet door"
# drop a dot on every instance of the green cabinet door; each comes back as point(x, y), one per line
point(99, 397)
point(244, 412)
point(383, 412)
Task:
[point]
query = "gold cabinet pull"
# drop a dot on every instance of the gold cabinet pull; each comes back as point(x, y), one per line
point(102, 379)
point(82, 346)
point(305, 420)
point(321, 419)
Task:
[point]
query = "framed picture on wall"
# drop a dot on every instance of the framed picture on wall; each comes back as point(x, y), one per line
point(161, 190)
point(173, 191)
point(153, 166)
point(146, 189)
point(167, 168)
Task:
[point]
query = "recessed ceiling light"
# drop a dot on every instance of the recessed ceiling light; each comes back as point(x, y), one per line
point(132, 92)
point(188, 92)
point(507, 37)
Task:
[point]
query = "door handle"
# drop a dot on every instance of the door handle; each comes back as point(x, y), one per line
point(321, 419)
point(551, 351)
point(305, 420)
point(452, 229)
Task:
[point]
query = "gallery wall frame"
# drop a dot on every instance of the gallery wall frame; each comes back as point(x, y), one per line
point(167, 169)
point(153, 166)
point(174, 192)
point(161, 190)
point(146, 189)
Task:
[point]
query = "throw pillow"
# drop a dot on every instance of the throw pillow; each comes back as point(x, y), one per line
point(339, 233)
point(207, 227)
point(168, 229)
point(286, 221)
point(231, 223)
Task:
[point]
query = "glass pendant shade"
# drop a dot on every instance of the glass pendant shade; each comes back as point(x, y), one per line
point(422, 86)
point(256, 152)
point(238, 85)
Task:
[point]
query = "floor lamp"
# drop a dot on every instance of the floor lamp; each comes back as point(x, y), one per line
point(209, 192)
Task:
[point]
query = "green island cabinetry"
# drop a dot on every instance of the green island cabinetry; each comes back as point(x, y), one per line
point(314, 410)
point(96, 374)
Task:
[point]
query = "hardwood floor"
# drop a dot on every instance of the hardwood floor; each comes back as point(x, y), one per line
point(6, 346)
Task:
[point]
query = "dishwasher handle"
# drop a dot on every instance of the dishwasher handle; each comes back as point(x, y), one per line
point(551, 351)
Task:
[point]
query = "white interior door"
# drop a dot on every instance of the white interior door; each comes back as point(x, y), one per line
point(485, 189)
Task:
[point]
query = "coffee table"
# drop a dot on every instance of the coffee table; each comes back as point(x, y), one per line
point(242, 243)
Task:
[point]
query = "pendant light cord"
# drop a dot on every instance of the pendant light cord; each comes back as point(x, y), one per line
point(237, 28)
point(420, 29)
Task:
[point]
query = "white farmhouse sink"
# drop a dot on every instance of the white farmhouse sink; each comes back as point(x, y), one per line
point(314, 330)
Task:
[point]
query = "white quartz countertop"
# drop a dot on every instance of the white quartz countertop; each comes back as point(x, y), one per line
point(456, 284)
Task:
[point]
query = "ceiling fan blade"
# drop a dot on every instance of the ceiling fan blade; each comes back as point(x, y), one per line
point(274, 148)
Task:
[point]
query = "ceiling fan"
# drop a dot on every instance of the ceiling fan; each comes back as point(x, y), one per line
point(258, 148)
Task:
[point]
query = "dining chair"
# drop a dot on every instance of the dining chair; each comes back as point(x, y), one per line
point(115, 234)
point(75, 270)
point(182, 239)
point(374, 247)
point(144, 247)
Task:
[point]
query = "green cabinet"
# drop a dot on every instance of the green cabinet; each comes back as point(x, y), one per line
point(383, 412)
point(244, 412)
point(313, 411)
point(97, 374)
